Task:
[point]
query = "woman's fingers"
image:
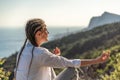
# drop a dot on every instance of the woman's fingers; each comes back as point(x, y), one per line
point(57, 51)
point(105, 55)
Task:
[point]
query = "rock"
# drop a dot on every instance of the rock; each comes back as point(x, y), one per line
point(105, 18)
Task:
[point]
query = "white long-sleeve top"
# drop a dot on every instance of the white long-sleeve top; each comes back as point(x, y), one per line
point(43, 61)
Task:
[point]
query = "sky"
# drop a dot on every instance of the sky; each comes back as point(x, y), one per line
point(15, 13)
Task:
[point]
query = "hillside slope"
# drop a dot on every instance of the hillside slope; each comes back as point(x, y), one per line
point(75, 45)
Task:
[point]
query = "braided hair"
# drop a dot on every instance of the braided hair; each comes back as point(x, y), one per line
point(31, 28)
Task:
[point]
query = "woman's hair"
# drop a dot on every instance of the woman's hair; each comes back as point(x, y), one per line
point(31, 28)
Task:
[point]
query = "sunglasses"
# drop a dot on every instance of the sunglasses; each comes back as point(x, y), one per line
point(44, 29)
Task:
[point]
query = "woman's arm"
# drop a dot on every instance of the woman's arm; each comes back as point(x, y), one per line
point(52, 60)
point(100, 59)
point(86, 62)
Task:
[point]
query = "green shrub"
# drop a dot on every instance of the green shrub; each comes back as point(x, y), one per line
point(4, 75)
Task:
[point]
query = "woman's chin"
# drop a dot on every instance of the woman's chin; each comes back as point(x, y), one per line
point(46, 39)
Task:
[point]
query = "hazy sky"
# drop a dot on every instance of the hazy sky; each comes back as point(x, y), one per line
point(15, 13)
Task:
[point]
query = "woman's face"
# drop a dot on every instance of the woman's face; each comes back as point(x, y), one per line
point(42, 35)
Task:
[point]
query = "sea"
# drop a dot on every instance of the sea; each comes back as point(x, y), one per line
point(12, 39)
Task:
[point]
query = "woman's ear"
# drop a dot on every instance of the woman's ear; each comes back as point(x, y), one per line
point(38, 34)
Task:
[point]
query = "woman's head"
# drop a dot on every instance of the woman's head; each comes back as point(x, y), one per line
point(36, 31)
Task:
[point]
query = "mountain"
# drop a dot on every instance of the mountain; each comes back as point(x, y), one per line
point(105, 18)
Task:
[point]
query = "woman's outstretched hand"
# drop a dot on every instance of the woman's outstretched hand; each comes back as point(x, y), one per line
point(104, 57)
point(56, 51)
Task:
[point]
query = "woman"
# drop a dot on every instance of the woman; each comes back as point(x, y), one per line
point(36, 63)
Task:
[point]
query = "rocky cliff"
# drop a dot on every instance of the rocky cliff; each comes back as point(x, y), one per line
point(105, 18)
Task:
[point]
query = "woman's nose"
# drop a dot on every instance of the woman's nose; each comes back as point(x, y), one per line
point(47, 32)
